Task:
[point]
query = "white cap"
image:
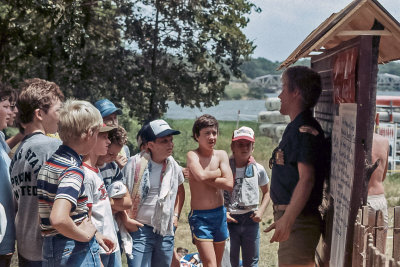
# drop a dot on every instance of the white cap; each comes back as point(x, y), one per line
point(245, 133)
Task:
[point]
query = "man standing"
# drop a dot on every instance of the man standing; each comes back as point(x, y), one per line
point(376, 198)
point(297, 171)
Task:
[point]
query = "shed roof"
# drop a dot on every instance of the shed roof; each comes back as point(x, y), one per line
point(357, 18)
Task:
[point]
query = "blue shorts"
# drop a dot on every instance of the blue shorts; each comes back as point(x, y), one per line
point(209, 225)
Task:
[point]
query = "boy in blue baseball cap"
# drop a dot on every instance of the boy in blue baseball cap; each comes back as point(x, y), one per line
point(108, 111)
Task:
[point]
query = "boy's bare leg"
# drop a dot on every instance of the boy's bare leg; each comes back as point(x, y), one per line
point(219, 248)
point(207, 253)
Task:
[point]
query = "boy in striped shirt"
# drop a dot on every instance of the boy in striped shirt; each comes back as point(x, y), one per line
point(69, 236)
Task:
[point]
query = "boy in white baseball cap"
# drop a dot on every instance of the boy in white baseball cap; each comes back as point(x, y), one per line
point(154, 182)
point(243, 212)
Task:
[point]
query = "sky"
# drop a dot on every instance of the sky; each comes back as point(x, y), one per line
point(284, 24)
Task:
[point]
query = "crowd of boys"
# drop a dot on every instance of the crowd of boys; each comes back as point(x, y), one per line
point(71, 195)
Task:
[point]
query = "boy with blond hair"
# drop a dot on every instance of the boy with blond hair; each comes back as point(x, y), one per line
point(244, 214)
point(39, 104)
point(69, 235)
point(98, 200)
point(210, 174)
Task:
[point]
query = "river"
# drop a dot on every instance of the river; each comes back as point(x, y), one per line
point(227, 110)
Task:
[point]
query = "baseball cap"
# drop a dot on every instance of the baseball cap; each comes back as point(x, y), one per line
point(243, 132)
point(156, 129)
point(106, 128)
point(106, 107)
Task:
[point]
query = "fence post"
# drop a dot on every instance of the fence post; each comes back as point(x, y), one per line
point(369, 257)
point(380, 232)
point(396, 234)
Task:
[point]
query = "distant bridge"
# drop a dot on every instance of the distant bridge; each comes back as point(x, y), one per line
point(272, 83)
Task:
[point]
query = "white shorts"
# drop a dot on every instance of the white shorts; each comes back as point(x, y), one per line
point(378, 202)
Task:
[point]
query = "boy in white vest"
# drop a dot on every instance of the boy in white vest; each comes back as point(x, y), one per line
point(243, 212)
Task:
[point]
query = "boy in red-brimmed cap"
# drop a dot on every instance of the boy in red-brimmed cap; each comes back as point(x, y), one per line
point(243, 212)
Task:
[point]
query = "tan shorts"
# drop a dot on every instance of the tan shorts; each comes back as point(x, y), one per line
point(303, 240)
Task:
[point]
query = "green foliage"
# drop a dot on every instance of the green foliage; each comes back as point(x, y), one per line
point(235, 90)
point(256, 92)
point(392, 187)
point(391, 68)
point(256, 67)
point(144, 52)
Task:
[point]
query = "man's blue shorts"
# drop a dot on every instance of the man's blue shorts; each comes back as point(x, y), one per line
point(209, 225)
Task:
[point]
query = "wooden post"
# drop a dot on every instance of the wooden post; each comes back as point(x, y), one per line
point(365, 211)
point(363, 245)
point(396, 234)
point(380, 232)
point(355, 260)
point(369, 254)
point(370, 259)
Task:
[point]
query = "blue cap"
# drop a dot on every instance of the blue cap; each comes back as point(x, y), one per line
point(106, 107)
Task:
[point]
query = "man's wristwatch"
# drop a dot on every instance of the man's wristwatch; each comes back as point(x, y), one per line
point(176, 215)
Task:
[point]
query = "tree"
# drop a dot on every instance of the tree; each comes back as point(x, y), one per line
point(186, 50)
point(143, 52)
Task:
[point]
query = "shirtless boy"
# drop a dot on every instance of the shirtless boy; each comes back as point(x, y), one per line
point(210, 174)
point(376, 198)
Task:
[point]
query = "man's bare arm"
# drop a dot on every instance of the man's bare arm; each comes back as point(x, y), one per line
point(197, 171)
point(299, 199)
point(387, 160)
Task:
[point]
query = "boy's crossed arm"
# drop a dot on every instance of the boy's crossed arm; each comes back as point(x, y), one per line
point(221, 178)
point(197, 171)
point(225, 182)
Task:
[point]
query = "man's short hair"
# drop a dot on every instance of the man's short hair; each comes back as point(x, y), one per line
point(37, 94)
point(307, 81)
point(202, 122)
point(6, 92)
point(77, 117)
point(118, 136)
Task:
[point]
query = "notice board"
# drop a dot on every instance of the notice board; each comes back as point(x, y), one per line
point(342, 172)
point(346, 112)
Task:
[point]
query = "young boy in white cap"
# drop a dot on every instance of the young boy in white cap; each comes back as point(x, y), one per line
point(154, 181)
point(243, 212)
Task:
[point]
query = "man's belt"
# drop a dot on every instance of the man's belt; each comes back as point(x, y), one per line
point(279, 207)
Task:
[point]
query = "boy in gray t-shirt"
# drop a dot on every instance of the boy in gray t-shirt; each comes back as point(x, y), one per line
point(38, 105)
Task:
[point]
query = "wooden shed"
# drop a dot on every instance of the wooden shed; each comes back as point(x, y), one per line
point(346, 49)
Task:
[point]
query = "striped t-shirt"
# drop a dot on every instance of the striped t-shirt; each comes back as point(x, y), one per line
point(61, 177)
point(111, 173)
